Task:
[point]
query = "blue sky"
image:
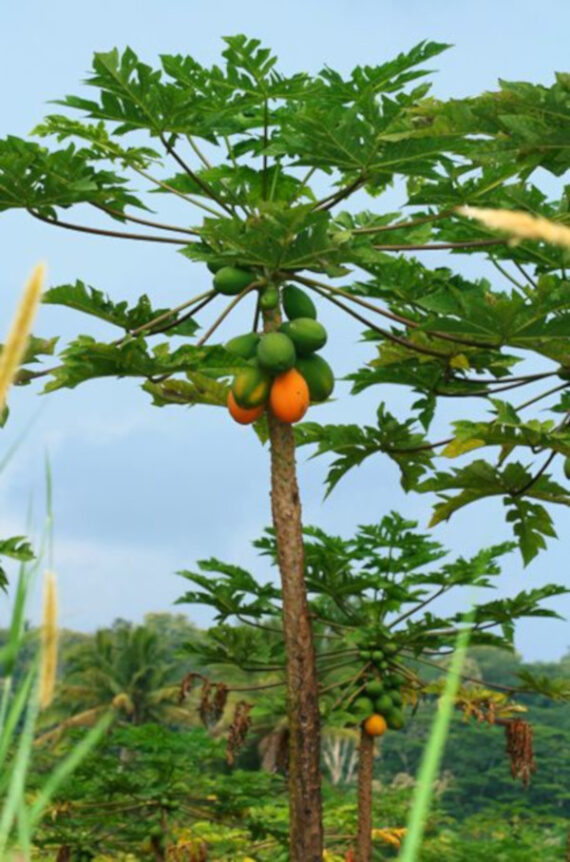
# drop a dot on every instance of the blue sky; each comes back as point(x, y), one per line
point(142, 492)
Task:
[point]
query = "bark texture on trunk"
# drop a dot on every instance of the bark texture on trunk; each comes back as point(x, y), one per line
point(365, 765)
point(306, 833)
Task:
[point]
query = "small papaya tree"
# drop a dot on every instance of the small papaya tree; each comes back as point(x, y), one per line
point(373, 599)
point(249, 147)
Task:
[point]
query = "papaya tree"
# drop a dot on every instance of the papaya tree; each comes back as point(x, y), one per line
point(376, 604)
point(267, 162)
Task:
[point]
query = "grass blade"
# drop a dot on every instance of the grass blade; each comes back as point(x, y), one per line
point(433, 753)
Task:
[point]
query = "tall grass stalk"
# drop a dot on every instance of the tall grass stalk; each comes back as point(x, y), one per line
point(433, 753)
point(17, 340)
point(20, 705)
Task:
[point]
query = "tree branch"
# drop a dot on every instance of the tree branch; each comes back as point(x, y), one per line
point(523, 272)
point(403, 224)
point(103, 232)
point(444, 336)
point(389, 336)
point(159, 225)
point(535, 478)
point(226, 311)
point(204, 186)
point(438, 246)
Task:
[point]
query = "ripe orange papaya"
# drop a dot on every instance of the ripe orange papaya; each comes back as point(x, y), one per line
point(289, 396)
point(242, 414)
point(375, 725)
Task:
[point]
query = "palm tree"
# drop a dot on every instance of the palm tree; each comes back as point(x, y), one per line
point(128, 668)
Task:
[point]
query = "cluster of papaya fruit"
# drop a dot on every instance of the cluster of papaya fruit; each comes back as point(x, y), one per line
point(381, 701)
point(283, 368)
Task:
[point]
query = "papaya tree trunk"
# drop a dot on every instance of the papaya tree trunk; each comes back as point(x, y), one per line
point(365, 766)
point(305, 808)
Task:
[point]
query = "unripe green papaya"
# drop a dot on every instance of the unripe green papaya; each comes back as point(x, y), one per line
point(390, 648)
point(306, 334)
point(243, 345)
point(396, 696)
point(276, 352)
point(383, 703)
point(269, 298)
point(296, 303)
point(362, 706)
point(374, 688)
point(319, 376)
point(378, 655)
point(230, 280)
point(215, 267)
point(251, 387)
point(395, 680)
point(567, 467)
point(395, 719)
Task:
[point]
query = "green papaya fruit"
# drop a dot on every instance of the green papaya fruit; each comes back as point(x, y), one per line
point(243, 345)
point(394, 680)
point(396, 696)
point(230, 280)
point(269, 298)
point(395, 719)
point(296, 303)
point(319, 376)
point(362, 706)
point(567, 467)
point(378, 655)
point(251, 386)
point(306, 334)
point(374, 688)
point(276, 352)
point(383, 703)
point(215, 267)
point(390, 648)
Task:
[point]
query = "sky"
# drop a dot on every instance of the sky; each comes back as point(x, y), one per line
point(141, 493)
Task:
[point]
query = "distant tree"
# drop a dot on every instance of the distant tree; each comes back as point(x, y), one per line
point(128, 667)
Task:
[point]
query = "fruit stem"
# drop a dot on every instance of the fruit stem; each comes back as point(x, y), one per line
point(365, 768)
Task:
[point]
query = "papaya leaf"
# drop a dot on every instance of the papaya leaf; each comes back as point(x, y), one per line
point(353, 444)
point(89, 300)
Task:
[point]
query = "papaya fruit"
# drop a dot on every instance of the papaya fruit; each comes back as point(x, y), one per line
point(230, 280)
point(395, 680)
point(215, 267)
point(289, 396)
point(395, 719)
point(396, 696)
point(319, 376)
point(269, 298)
point(362, 706)
point(276, 352)
point(375, 725)
point(383, 703)
point(390, 648)
point(567, 467)
point(307, 335)
point(296, 303)
point(374, 688)
point(251, 386)
point(378, 655)
point(241, 414)
point(243, 345)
